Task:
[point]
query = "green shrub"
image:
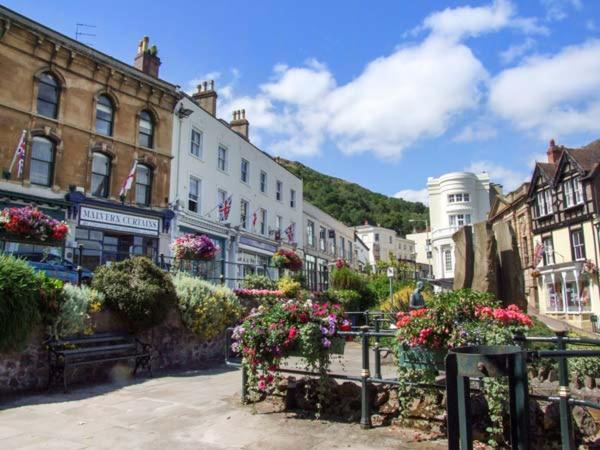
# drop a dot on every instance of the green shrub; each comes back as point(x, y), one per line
point(206, 309)
point(50, 298)
point(290, 287)
point(259, 282)
point(19, 310)
point(137, 289)
point(345, 279)
point(74, 314)
point(349, 299)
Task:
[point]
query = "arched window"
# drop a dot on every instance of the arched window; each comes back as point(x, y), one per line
point(100, 175)
point(48, 95)
point(143, 185)
point(146, 129)
point(104, 115)
point(41, 169)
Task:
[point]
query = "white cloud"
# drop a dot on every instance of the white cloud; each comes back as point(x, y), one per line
point(551, 95)
point(413, 195)
point(514, 52)
point(557, 10)
point(476, 132)
point(508, 178)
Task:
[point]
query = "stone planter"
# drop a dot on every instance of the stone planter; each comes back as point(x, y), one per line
point(421, 358)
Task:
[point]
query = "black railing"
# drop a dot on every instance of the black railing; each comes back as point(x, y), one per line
point(371, 333)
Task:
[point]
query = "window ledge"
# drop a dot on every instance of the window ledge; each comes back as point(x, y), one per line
point(572, 207)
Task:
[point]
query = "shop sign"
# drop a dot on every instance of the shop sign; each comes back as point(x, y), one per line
point(111, 220)
point(244, 240)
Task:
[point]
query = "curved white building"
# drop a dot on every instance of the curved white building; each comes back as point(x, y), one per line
point(455, 199)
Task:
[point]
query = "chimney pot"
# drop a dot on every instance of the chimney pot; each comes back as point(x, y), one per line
point(205, 98)
point(554, 152)
point(239, 124)
point(212, 85)
point(146, 58)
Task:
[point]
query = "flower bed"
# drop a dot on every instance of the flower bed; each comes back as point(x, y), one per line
point(194, 247)
point(291, 328)
point(287, 259)
point(31, 224)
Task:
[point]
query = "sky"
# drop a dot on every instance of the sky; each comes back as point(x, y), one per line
point(384, 93)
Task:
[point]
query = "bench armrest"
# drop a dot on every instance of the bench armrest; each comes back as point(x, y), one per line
point(144, 346)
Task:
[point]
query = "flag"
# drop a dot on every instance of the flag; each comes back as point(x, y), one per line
point(19, 156)
point(224, 208)
point(128, 181)
point(289, 232)
point(538, 252)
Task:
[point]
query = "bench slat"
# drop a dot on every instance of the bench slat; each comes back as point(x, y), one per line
point(90, 340)
point(99, 349)
point(108, 359)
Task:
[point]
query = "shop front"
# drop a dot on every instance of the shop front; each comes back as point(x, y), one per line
point(114, 233)
point(254, 257)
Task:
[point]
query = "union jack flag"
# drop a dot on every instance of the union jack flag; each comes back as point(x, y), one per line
point(289, 232)
point(538, 253)
point(224, 209)
point(19, 156)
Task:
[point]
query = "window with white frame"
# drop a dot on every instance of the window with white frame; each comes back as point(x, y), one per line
point(548, 245)
point(278, 190)
point(466, 197)
point(194, 195)
point(322, 239)
point(459, 220)
point(244, 214)
point(262, 217)
point(460, 197)
point(554, 300)
point(222, 158)
point(350, 251)
point(310, 233)
point(448, 260)
point(543, 203)
point(196, 143)
point(577, 245)
point(263, 181)
point(292, 198)
point(572, 192)
point(342, 247)
point(278, 223)
point(245, 170)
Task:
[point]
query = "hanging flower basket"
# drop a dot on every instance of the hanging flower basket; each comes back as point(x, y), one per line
point(31, 225)
point(337, 347)
point(287, 259)
point(194, 247)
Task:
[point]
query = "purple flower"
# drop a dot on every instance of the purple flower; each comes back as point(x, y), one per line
point(326, 342)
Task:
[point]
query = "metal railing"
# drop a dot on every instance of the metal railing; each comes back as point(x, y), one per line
point(371, 333)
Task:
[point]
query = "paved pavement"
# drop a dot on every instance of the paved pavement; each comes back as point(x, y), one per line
point(191, 410)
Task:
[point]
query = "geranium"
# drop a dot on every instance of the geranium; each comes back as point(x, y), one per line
point(191, 246)
point(31, 223)
point(340, 263)
point(287, 259)
point(258, 293)
point(272, 333)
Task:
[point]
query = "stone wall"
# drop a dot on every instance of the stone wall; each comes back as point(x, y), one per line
point(174, 347)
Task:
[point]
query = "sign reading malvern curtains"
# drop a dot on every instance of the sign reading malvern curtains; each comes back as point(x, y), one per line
point(110, 220)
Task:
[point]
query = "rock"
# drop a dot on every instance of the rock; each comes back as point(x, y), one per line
point(584, 421)
point(552, 375)
point(484, 259)
point(463, 255)
point(551, 417)
point(377, 420)
point(391, 407)
point(348, 389)
point(589, 382)
point(381, 397)
point(542, 373)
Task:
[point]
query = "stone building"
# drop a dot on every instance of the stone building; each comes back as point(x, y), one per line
point(564, 196)
point(88, 120)
point(514, 209)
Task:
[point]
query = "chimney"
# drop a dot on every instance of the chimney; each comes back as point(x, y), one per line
point(553, 152)
point(147, 59)
point(206, 97)
point(239, 124)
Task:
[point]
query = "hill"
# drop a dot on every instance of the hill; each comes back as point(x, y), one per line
point(353, 204)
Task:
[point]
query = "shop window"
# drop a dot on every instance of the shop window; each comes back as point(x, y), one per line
point(100, 175)
point(196, 144)
point(104, 115)
point(194, 195)
point(48, 95)
point(146, 130)
point(143, 185)
point(577, 245)
point(554, 297)
point(548, 251)
point(41, 169)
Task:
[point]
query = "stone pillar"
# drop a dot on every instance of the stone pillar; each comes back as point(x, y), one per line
point(463, 258)
point(485, 265)
point(510, 272)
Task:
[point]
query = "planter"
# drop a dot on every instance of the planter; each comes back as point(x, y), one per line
point(422, 358)
point(24, 239)
point(338, 345)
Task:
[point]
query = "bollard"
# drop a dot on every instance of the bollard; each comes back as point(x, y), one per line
point(566, 426)
point(377, 350)
point(365, 416)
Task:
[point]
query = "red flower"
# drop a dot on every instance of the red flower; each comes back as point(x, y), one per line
point(292, 333)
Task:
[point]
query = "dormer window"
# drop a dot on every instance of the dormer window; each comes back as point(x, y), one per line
point(543, 203)
point(572, 192)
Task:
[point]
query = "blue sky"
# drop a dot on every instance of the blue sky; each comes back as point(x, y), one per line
point(382, 93)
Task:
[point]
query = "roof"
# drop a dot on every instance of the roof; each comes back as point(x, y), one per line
point(547, 169)
point(80, 48)
point(588, 156)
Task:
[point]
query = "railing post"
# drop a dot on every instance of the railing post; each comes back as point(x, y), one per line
point(79, 268)
point(162, 261)
point(566, 425)
point(377, 350)
point(365, 416)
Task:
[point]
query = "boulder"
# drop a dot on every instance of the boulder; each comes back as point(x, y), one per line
point(584, 421)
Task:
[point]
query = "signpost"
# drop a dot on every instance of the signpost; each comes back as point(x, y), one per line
point(391, 273)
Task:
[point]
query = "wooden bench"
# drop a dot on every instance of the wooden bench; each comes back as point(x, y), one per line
point(95, 349)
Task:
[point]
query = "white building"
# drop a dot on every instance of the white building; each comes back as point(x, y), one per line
point(214, 161)
point(422, 246)
point(362, 253)
point(455, 199)
point(385, 245)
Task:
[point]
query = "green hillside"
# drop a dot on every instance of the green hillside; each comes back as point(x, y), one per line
point(353, 204)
